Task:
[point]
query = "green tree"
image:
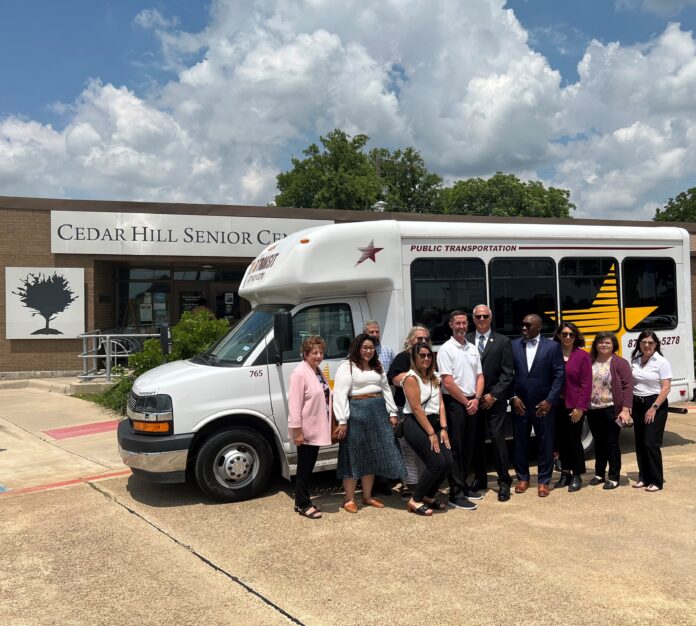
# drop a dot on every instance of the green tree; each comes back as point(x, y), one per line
point(407, 185)
point(505, 195)
point(338, 176)
point(679, 209)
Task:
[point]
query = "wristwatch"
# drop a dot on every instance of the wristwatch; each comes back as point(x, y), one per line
point(656, 406)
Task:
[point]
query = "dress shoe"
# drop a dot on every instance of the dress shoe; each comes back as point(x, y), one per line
point(350, 506)
point(563, 481)
point(374, 502)
point(521, 486)
point(611, 484)
point(575, 483)
point(543, 491)
point(597, 480)
point(503, 492)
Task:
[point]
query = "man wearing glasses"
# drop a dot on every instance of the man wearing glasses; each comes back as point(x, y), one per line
point(459, 364)
point(498, 373)
point(539, 377)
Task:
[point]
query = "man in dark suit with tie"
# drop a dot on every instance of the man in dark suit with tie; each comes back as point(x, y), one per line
point(498, 371)
point(539, 377)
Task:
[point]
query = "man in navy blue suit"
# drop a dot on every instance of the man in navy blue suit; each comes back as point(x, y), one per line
point(539, 376)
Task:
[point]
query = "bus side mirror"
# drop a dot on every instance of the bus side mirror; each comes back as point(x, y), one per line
point(282, 334)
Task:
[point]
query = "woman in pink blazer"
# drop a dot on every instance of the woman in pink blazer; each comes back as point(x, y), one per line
point(309, 424)
point(576, 400)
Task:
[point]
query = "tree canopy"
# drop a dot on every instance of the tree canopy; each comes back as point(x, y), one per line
point(505, 195)
point(341, 175)
point(679, 209)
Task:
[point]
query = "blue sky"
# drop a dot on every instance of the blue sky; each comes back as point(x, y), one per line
point(205, 101)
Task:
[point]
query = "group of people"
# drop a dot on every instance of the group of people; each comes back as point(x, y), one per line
point(443, 405)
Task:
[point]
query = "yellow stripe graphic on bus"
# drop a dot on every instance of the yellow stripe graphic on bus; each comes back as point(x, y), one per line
point(604, 312)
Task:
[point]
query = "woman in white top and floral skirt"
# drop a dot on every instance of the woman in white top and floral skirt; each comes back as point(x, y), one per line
point(652, 380)
point(366, 414)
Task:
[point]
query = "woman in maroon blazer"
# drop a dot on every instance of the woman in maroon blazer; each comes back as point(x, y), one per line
point(610, 406)
point(575, 401)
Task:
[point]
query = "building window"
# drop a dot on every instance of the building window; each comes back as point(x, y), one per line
point(649, 283)
point(143, 305)
point(521, 286)
point(439, 286)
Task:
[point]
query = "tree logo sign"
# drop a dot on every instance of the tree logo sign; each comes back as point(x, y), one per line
point(44, 303)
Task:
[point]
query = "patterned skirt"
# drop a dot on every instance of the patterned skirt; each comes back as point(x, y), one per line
point(370, 446)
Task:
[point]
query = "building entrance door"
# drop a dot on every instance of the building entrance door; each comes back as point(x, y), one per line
point(221, 298)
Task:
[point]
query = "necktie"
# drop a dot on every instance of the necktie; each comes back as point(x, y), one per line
point(481, 343)
point(532, 342)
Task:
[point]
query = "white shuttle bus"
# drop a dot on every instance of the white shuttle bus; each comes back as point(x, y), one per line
point(222, 416)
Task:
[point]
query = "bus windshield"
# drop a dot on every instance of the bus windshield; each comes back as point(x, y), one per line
point(233, 349)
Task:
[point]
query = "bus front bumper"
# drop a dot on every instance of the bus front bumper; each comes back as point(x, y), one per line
point(157, 459)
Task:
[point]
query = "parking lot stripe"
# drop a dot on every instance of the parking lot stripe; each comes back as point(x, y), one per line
point(82, 429)
point(66, 483)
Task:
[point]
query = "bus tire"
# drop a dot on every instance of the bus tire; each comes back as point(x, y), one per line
point(587, 439)
point(233, 465)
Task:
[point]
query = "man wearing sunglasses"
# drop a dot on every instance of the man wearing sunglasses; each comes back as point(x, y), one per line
point(498, 372)
point(539, 377)
point(459, 364)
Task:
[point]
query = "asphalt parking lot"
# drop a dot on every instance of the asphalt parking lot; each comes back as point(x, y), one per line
point(105, 548)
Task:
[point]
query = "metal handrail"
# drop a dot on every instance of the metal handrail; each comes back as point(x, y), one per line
point(99, 339)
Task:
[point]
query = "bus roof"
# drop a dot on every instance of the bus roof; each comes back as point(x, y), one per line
point(362, 257)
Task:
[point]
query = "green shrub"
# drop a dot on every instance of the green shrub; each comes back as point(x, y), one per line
point(192, 335)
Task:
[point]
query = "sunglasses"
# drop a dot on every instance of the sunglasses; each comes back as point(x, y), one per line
point(481, 317)
point(527, 324)
point(425, 355)
point(647, 343)
point(567, 334)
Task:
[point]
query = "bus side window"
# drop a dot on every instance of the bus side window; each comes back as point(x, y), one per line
point(580, 280)
point(520, 286)
point(651, 282)
point(332, 322)
point(439, 286)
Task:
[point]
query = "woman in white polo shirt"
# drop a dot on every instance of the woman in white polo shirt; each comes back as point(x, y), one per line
point(652, 380)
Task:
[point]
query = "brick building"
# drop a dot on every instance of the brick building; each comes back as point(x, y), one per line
point(134, 266)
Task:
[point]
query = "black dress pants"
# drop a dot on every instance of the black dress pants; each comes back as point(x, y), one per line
point(437, 465)
point(462, 432)
point(306, 460)
point(495, 419)
point(606, 433)
point(649, 440)
point(569, 441)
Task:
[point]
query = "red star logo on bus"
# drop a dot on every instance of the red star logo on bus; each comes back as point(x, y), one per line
point(369, 253)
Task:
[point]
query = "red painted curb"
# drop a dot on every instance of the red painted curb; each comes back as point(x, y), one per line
point(82, 429)
point(66, 483)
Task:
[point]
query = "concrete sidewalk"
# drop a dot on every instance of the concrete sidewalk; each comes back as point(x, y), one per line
point(48, 438)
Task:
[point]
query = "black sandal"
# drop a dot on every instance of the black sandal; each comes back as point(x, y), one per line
point(310, 512)
point(423, 509)
point(436, 505)
point(316, 506)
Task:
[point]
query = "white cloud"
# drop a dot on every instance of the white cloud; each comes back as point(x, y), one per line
point(659, 7)
point(460, 83)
